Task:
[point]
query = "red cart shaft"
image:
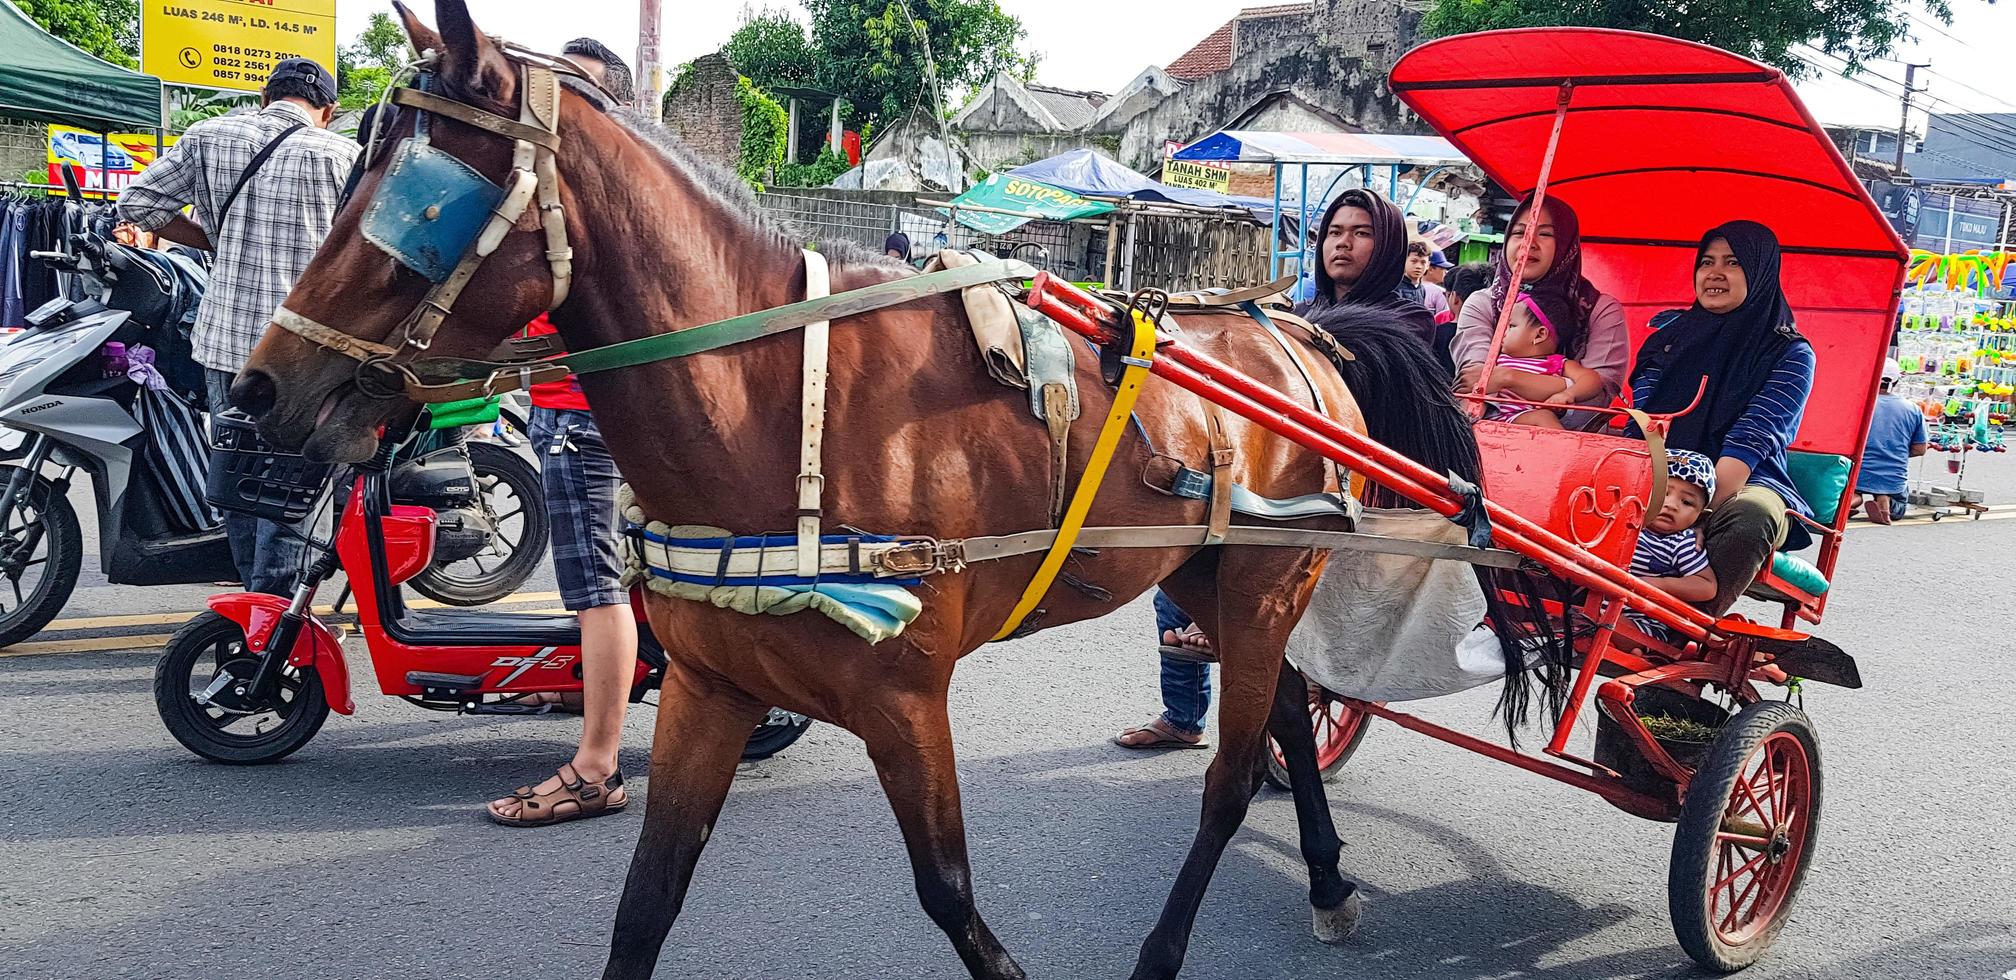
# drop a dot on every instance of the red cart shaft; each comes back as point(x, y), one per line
point(1220, 383)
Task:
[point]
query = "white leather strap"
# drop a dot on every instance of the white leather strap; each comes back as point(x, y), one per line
point(811, 482)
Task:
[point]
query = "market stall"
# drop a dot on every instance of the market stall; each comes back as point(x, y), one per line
point(1344, 153)
point(1956, 345)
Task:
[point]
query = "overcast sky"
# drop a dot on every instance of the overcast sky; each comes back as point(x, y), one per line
point(1101, 55)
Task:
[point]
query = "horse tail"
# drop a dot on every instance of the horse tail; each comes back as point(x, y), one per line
point(1406, 400)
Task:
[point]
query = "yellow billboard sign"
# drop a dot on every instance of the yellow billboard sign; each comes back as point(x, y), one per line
point(1205, 176)
point(99, 163)
point(233, 44)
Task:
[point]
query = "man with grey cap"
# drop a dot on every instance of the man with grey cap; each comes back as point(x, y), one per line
point(264, 187)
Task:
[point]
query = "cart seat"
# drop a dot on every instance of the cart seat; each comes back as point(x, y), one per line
point(1822, 479)
point(1798, 573)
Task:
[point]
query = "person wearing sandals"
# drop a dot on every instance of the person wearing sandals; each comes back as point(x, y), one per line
point(580, 481)
point(1186, 685)
point(1363, 250)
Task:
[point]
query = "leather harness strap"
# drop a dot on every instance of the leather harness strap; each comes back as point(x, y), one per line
point(462, 112)
point(1191, 535)
point(1655, 444)
point(811, 482)
point(330, 337)
point(1222, 457)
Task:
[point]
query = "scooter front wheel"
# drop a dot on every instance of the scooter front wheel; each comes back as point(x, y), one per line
point(41, 552)
point(202, 690)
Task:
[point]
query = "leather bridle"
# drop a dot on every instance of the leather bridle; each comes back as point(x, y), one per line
point(385, 370)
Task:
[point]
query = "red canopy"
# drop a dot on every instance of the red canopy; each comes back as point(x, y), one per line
point(1664, 139)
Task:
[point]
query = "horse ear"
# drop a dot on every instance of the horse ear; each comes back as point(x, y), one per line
point(471, 62)
point(422, 37)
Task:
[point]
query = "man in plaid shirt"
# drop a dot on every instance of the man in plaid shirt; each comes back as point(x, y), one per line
point(264, 241)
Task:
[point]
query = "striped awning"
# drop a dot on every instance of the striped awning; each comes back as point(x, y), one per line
point(1256, 146)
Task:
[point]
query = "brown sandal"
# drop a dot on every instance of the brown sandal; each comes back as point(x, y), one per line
point(1191, 646)
point(588, 800)
point(1158, 734)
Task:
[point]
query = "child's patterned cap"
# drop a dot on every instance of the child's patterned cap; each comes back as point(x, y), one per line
point(1688, 466)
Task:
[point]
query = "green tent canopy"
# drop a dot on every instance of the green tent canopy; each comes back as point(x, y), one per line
point(45, 78)
point(1025, 200)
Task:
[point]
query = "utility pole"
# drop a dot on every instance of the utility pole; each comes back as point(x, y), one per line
point(1904, 123)
point(650, 78)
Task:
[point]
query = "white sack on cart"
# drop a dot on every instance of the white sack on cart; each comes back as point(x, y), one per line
point(1396, 627)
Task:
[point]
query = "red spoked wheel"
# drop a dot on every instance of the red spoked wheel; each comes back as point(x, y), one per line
point(1746, 836)
point(1339, 728)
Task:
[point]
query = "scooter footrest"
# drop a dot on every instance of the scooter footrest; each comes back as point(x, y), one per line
point(443, 686)
point(507, 708)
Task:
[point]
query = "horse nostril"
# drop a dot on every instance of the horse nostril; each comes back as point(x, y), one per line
point(253, 392)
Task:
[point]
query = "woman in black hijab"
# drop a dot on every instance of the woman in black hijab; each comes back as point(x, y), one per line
point(1361, 256)
point(1738, 338)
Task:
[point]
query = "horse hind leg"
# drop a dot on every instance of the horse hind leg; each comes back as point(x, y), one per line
point(910, 741)
point(1334, 903)
point(1249, 644)
point(702, 727)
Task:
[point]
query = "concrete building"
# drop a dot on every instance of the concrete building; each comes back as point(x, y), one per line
point(1009, 122)
point(1971, 147)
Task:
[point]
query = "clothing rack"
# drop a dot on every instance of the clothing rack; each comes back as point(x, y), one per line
point(89, 193)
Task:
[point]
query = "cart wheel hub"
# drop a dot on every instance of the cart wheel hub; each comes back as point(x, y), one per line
point(1781, 845)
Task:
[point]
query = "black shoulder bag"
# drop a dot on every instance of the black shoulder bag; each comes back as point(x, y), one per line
point(258, 160)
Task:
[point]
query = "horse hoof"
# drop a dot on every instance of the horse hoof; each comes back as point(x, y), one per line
point(1333, 926)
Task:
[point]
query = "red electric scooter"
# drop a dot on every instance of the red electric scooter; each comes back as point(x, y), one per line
point(254, 678)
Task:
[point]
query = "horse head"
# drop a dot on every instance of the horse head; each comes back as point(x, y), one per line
point(327, 387)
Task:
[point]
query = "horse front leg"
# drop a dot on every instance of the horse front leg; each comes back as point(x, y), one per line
point(909, 738)
point(1249, 658)
point(702, 726)
point(1333, 899)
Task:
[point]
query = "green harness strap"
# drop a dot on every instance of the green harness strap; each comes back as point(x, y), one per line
point(712, 336)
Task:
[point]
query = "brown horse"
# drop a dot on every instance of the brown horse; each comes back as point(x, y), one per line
point(920, 442)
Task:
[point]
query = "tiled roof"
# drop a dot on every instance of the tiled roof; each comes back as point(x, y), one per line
point(1072, 109)
point(1214, 54)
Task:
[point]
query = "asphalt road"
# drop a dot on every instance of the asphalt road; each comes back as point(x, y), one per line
point(364, 855)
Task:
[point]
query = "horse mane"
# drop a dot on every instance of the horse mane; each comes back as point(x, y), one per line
point(1406, 398)
point(734, 197)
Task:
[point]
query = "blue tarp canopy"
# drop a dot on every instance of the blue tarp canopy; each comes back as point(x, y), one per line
point(1092, 174)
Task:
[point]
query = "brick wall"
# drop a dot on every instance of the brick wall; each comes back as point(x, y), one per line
point(23, 145)
point(704, 113)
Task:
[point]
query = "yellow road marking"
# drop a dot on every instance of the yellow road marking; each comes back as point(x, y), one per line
point(96, 644)
point(173, 618)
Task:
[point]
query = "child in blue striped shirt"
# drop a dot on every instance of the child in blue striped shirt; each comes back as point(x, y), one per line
point(1669, 554)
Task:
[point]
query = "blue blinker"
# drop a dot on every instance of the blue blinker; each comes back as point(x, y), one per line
point(429, 209)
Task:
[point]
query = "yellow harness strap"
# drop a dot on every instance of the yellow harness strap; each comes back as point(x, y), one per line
point(1140, 356)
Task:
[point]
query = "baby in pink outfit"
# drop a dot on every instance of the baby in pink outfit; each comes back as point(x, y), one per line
point(1532, 368)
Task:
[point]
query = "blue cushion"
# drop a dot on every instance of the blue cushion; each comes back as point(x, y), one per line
point(1799, 573)
point(1821, 478)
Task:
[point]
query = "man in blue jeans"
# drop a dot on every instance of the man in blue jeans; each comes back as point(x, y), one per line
point(1896, 436)
point(1186, 686)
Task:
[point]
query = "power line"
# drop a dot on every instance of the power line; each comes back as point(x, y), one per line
point(1996, 99)
point(1999, 137)
point(1938, 29)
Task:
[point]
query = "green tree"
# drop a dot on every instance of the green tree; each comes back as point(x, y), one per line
point(1853, 30)
point(772, 50)
point(365, 66)
point(108, 29)
point(870, 51)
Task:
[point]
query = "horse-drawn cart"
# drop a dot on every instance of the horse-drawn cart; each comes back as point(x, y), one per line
point(1652, 140)
point(1650, 157)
